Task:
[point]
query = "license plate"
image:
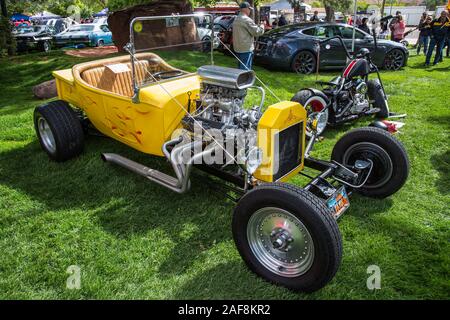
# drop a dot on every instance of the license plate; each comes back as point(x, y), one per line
point(338, 202)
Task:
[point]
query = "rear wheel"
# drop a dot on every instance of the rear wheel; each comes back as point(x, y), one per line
point(287, 236)
point(46, 47)
point(206, 44)
point(390, 160)
point(394, 60)
point(314, 106)
point(304, 62)
point(59, 130)
point(376, 94)
point(100, 43)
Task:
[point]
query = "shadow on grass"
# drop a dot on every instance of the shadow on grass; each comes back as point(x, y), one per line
point(443, 121)
point(123, 204)
point(441, 163)
point(430, 68)
point(215, 283)
point(31, 69)
point(424, 250)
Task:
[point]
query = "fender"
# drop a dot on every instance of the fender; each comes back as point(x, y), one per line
point(319, 93)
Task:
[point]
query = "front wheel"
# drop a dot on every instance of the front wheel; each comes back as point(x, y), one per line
point(206, 44)
point(315, 107)
point(388, 155)
point(288, 236)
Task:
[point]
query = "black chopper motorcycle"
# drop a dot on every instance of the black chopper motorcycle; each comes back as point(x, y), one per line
point(347, 97)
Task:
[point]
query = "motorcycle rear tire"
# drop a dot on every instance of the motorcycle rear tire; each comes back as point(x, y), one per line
point(376, 94)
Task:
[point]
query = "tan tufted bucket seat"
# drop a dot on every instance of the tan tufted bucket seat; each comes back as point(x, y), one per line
point(121, 84)
point(94, 74)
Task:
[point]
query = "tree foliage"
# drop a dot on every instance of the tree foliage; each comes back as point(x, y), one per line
point(59, 7)
point(432, 4)
point(335, 5)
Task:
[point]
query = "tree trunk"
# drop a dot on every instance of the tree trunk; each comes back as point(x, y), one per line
point(4, 10)
point(383, 5)
point(330, 14)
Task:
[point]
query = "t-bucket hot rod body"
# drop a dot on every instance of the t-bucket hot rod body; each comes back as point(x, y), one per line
point(285, 233)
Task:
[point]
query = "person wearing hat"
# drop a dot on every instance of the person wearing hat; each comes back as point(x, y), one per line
point(244, 33)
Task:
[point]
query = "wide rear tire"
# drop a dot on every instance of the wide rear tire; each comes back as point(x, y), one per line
point(376, 94)
point(273, 218)
point(390, 159)
point(59, 130)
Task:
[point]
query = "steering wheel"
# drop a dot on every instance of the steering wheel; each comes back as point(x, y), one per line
point(168, 74)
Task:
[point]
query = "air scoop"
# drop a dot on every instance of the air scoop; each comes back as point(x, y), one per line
point(227, 77)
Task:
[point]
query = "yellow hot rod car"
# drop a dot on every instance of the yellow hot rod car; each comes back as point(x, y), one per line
point(285, 233)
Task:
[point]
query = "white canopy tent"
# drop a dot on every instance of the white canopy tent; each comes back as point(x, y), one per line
point(284, 5)
point(44, 15)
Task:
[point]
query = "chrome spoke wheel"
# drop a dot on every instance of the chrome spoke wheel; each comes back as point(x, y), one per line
point(320, 117)
point(46, 134)
point(280, 242)
point(314, 109)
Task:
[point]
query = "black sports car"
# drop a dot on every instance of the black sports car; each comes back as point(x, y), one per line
point(294, 47)
point(34, 37)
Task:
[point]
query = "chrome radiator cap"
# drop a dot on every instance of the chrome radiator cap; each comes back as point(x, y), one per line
point(227, 77)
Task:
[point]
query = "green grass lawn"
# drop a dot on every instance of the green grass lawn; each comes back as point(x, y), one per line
point(135, 240)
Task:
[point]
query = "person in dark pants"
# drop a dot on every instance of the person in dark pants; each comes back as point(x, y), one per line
point(425, 33)
point(244, 33)
point(439, 34)
point(448, 45)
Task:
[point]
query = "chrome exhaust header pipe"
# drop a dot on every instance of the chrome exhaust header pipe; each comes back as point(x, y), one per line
point(180, 183)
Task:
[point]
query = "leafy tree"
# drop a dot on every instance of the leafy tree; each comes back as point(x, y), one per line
point(55, 6)
point(432, 4)
point(330, 6)
point(335, 5)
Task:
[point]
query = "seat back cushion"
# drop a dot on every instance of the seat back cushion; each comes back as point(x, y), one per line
point(120, 83)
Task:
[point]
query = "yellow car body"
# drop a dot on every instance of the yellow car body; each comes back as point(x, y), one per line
point(146, 121)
